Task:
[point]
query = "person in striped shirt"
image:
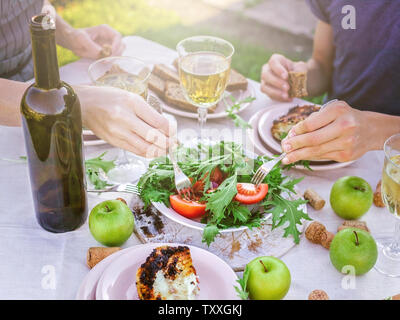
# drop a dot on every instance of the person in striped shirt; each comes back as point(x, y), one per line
point(112, 114)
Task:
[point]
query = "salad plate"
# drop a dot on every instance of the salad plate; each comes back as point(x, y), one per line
point(118, 281)
point(221, 199)
point(192, 223)
point(90, 139)
point(196, 223)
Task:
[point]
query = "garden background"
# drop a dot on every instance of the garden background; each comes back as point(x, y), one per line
point(257, 28)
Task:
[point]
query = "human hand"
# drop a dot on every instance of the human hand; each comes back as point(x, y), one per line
point(275, 76)
point(90, 42)
point(338, 132)
point(125, 120)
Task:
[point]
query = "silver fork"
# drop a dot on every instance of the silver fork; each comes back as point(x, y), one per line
point(126, 187)
point(263, 171)
point(182, 182)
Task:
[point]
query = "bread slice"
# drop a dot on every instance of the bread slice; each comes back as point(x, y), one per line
point(298, 84)
point(174, 96)
point(166, 73)
point(237, 81)
point(157, 85)
point(167, 274)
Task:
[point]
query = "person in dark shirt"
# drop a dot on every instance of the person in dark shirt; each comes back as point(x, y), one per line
point(356, 59)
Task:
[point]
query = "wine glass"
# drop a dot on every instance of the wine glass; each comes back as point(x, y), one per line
point(129, 74)
point(204, 68)
point(388, 261)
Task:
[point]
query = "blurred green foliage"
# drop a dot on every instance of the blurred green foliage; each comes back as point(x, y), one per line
point(136, 17)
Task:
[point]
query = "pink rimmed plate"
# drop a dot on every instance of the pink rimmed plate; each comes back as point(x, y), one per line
point(216, 277)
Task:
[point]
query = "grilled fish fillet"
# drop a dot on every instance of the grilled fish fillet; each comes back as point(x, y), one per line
point(168, 274)
point(282, 126)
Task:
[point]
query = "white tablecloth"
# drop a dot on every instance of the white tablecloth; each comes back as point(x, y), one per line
point(30, 256)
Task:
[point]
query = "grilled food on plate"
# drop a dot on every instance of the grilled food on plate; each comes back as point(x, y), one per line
point(168, 274)
point(283, 124)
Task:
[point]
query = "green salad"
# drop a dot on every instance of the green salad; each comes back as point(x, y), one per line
point(222, 195)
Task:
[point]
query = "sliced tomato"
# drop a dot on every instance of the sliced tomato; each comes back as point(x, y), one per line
point(198, 187)
point(187, 208)
point(249, 193)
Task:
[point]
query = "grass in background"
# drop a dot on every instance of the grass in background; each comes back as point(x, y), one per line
point(136, 17)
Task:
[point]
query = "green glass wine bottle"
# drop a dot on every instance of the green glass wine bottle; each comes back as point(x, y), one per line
point(52, 125)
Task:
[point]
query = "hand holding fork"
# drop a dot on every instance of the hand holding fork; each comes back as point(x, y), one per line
point(266, 168)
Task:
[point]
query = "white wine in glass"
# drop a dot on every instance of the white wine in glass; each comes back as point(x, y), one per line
point(204, 70)
point(388, 261)
point(204, 76)
point(124, 81)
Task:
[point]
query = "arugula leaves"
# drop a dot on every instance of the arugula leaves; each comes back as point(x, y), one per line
point(157, 184)
point(237, 120)
point(225, 213)
point(242, 290)
point(218, 201)
point(209, 233)
point(94, 169)
point(286, 212)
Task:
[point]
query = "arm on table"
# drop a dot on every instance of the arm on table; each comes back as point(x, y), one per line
point(119, 117)
point(274, 76)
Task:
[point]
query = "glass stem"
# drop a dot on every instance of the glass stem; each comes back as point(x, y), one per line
point(122, 158)
point(395, 245)
point(202, 112)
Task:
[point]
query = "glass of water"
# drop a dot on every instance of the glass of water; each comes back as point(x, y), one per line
point(130, 74)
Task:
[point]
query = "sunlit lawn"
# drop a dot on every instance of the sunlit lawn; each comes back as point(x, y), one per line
point(136, 17)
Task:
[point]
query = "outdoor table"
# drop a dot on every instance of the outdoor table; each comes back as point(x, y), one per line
point(31, 256)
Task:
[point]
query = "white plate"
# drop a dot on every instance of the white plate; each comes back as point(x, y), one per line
point(221, 107)
point(191, 223)
point(87, 289)
point(262, 149)
point(118, 281)
point(87, 132)
point(94, 142)
point(90, 139)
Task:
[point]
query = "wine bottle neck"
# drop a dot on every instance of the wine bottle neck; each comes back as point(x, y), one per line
point(44, 54)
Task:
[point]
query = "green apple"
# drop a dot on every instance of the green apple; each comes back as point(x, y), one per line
point(353, 247)
point(269, 279)
point(351, 197)
point(111, 223)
